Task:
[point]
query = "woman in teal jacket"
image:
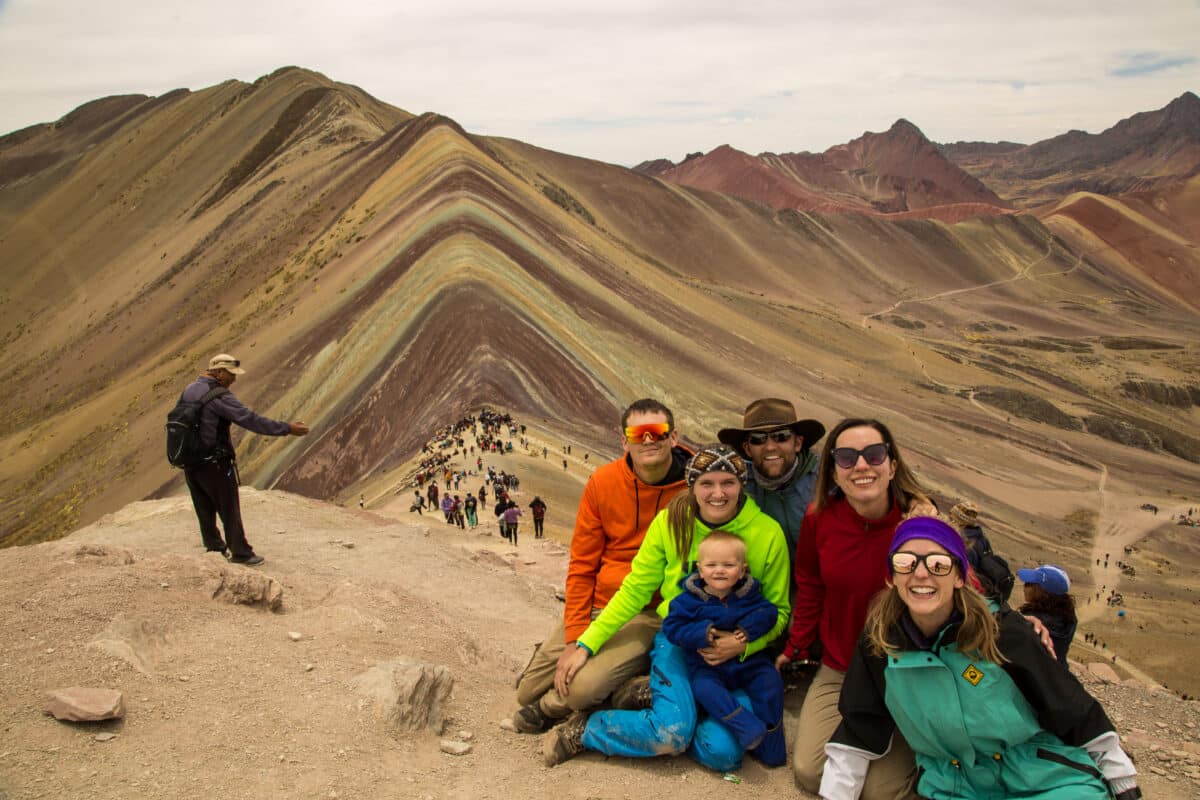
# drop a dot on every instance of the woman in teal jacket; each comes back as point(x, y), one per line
point(714, 500)
point(987, 711)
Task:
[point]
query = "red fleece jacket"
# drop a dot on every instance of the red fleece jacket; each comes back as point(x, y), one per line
point(841, 563)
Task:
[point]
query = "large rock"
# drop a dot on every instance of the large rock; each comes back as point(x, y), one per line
point(80, 704)
point(246, 587)
point(1104, 672)
point(103, 554)
point(408, 695)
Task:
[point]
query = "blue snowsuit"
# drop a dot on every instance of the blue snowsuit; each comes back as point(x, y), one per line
point(694, 613)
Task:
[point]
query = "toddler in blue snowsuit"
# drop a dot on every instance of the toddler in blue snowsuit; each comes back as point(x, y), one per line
point(719, 596)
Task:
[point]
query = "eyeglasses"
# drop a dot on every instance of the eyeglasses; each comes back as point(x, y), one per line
point(779, 436)
point(847, 457)
point(937, 564)
point(656, 431)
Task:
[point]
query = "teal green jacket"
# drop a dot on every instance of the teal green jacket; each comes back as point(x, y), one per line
point(657, 567)
point(980, 731)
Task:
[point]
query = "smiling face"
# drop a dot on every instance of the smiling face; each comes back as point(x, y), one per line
point(717, 496)
point(772, 459)
point(929, 598)
point(865, 487)
point(721, 564)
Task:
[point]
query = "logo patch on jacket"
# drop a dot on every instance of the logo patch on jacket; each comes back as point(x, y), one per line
point(972, 675)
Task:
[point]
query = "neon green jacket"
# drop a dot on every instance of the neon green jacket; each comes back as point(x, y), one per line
point(657, 567)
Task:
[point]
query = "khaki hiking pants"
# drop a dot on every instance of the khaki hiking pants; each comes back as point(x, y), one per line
point(892, 777)
point(625, 655)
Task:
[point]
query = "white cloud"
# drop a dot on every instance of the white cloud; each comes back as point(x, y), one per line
point(634, 80)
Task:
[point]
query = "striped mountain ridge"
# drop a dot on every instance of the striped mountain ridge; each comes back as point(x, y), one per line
point(382, 273)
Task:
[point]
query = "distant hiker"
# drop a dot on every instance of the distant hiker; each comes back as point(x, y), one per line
point(1048, 597)
point(783, 465)
point(512, 518)
point(418, 502)
point(721, 597)
point(544, 452)
point(499, 509)
point(362, 501)
point(564, 465)
point(448, 508)
point(619, 501)
point(433, 496)
point(470, 508)
point(213, 483)
point(993, 571)
point(986, 711)
point(538, 508)
point(456, 510)
point(666, 722)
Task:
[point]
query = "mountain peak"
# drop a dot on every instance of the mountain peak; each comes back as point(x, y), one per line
point(906, 128)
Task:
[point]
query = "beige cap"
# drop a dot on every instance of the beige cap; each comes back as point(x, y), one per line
point(227, 363)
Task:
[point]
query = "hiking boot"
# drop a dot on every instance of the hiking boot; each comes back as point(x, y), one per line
point(566, 741)
point(252, 560)
point(531, 719)
point(633, 694)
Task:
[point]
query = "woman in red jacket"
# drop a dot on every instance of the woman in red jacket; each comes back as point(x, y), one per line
point(863, 490)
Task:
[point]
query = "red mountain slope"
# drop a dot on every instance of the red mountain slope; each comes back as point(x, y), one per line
point(897, 171)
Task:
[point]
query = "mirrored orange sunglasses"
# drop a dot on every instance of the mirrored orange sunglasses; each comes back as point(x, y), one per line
point(656, 431)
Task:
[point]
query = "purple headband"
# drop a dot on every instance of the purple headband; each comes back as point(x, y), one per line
point(934, 530)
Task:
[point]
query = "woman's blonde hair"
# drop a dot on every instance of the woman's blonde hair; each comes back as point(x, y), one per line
point(978, 635)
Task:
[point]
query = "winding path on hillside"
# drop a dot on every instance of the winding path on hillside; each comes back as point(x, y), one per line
point(1023, 274)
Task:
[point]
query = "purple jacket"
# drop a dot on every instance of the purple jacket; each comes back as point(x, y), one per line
point(222, 412)
point(512, 515)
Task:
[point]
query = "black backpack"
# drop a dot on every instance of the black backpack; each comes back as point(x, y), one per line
point(183, 431)
point(993, 571)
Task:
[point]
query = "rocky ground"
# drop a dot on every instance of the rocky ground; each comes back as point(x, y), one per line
point(226, 698)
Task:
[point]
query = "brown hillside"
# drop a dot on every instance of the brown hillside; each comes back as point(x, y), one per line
point(234, 700)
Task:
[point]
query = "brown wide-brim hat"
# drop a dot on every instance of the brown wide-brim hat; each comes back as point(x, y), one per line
point(770, 414)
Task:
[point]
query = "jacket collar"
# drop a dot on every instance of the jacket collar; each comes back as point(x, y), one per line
point(693, 584)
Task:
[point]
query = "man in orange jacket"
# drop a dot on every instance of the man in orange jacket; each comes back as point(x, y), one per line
point(618, 503)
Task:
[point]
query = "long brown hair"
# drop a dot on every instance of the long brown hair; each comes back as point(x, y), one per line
point(904, 487)
point(1060, 605)
point(683, 509)
point(977, 636)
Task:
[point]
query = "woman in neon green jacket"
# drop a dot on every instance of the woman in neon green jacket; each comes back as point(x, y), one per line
point(670, 725)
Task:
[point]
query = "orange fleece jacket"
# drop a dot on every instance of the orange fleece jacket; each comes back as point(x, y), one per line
point(614, 512)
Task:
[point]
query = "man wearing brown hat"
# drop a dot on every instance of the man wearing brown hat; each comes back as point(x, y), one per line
point(784, 468)
point(214, 481)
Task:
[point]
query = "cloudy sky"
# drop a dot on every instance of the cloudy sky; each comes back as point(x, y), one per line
point(630, 80)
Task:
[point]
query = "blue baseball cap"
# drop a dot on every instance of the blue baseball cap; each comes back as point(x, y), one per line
point(1051, 578)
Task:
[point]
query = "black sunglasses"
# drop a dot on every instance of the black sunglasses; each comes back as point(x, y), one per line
point(780, 436)
point(847, 457)
point(937, 564)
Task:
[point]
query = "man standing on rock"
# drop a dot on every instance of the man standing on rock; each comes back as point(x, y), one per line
point(618, 503)
point(784, 467)
point(214, 482)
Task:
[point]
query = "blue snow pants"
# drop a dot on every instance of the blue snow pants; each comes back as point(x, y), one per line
point(758, 728)
point(671, 725)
